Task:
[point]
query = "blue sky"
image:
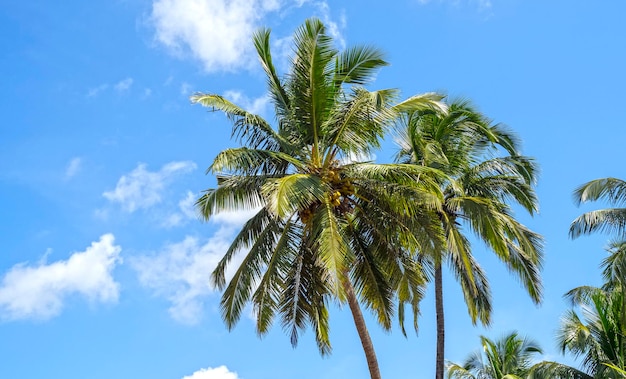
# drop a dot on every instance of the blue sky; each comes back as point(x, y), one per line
point(104, 266)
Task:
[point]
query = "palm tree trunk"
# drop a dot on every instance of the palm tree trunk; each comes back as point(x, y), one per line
point(359, 322)
point(440, 320)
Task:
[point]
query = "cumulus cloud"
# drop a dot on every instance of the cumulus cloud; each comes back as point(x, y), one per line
point(218, 32)
point(215, 32)
point(220, 372)
point(73, 167)
point(39, 291)
point(142, 188)
point(181, 271)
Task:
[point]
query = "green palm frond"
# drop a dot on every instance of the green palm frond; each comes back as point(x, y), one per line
point(262, 222)
point(603, 220)
point(238, 196)
point(427, 101)
point(249, 128)
point(612, 190)
point(246, 161)
point(358, 65)
point(277, 90)
point(292, 193)
point(332, 245)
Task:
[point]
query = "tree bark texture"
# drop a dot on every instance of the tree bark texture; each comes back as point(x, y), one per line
point(440, 321)
point(359, 322)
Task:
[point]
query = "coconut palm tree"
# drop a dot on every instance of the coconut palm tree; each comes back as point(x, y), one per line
point(599, 336)
point(328, 226)
point(477, 192)
point(612, 190)
point(510, 357)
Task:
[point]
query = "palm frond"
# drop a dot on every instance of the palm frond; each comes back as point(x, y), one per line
point(612, 190)
point(249, 128)
point(358, 64)
point(603, 220)
point(292, 193)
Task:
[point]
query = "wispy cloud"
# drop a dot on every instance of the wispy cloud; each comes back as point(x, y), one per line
point(218, 32)
point(220, 372)
point(39, 291)
point(120, 87)
point(123, 85)
point(186, 211)
point(180, 272)
point(73, 167)
point(142, 189)
point(95, 91)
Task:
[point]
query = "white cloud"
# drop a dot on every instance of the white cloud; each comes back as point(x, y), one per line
point(220, 372)
point(142, 188)
point(218, 32)
point(180, 272)
point(124, 85)
point(73, 167)
point(187, 211)
point(254, 106)
point(39, 291)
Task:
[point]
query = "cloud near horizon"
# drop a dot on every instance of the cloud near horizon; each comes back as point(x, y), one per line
point(39, 291)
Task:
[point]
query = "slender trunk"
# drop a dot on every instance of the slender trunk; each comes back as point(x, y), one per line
point(440, 320)
point(359, 322)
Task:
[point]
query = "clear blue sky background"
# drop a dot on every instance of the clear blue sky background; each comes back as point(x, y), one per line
point(104, 266)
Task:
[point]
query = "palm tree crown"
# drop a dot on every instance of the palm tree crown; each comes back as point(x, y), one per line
point(327, 226)
point(510, 357)
point(477, 188)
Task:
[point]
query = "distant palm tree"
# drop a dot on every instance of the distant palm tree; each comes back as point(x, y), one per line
point(599, 336)
point(508, 358)
point(328, 227)
point(477, 190)
point(612, 190)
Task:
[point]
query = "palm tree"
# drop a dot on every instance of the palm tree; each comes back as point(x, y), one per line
point(327, 227)
point(608, 220)
point(599, 336)
point(508, 358)
point(477, 190)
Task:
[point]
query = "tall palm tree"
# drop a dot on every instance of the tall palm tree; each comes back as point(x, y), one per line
point(477, 191)
point(327, 227)
point(508, 358)
point(612, 190)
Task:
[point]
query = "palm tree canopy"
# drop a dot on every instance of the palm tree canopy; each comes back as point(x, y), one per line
point(323, 219)
point(613, 191)
point(480, 184)
point(510, 357)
